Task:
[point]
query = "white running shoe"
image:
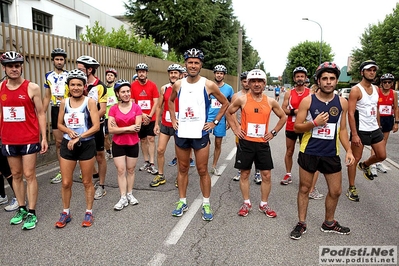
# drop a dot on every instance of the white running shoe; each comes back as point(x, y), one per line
point(121, 204)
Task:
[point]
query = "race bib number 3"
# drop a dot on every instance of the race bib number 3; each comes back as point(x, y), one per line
point(14, 114)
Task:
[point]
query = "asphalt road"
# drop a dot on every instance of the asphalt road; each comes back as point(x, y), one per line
point(147, 234)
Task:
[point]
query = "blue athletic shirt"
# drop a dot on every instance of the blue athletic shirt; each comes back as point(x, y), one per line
point(214, 109)
point(323, 140)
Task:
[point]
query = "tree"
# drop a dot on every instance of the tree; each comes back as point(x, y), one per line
point(121, 39)
point(178, 23)
point(379, 43)
point(307, 54)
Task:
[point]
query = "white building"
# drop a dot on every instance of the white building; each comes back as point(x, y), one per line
point(66, 18)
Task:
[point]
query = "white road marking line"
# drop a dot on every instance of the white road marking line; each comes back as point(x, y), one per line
point(157, 260)
point(231, 154)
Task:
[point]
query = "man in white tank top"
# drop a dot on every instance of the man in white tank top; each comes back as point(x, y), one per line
point(192, 130)
point(364, 126)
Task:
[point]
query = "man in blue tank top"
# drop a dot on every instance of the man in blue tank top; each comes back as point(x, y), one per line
point(322, 119)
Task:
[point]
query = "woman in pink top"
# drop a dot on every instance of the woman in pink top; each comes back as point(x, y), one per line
point(124, 122)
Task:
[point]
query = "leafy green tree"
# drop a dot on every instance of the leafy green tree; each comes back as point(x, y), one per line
point(307, 54)
point(121, 39)
point(178, 23)
point(380, 43)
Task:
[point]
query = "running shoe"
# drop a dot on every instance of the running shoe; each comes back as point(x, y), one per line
point(108, 156)
point(207, 214)
point(214, 171)
point(237, 176)
point(373, 169)
point(180, 208)
point(100, 192)
point(88, 220)
point(152, 170)
point(158, 180)
point(13, 206)
point(132, 200)
point(145, 166)
point(19, 216)
point(366, 171)
point(57, 179)
point(173, 162)
point(352, 194)
point(298, 231)
point(192, 163)
point(3, 200)
point(315, 194)
point(286, 180)
point(257, 178)
point(244, 210)
point(381, 168)
point(335, 228)
point(30, 221)
point(121, 204)
point(268, 211)
point(64, 219)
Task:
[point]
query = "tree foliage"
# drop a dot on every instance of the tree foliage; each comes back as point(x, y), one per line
point(380, 43)
point(121, 39)
point(306, 54)
point(208, 25)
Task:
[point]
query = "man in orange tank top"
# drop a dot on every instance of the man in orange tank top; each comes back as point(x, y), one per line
point(254, 136)
point(22, 111)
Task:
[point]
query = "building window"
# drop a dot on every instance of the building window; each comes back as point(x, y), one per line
point(41, 21)
point(78, 32)
point(4, 17)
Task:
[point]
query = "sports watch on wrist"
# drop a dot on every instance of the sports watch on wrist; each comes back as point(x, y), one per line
point(216, 122)
point(274, 133)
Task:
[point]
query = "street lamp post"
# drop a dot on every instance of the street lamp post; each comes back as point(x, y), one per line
point(321, 36)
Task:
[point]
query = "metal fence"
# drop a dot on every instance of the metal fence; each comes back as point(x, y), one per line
point(36, 47)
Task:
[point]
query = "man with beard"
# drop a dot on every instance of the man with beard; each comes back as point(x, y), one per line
point(55, 90)
point(220, 130)
point(322, 119)
point(21, 111)
point(254, 137)
point(164, 129)
point(364, 125)
point(192, 128)
point(110, 76)
point(145, 94)
point(290, 106)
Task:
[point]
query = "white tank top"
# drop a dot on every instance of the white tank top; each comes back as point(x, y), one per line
point(192, 109)
point(367, 108)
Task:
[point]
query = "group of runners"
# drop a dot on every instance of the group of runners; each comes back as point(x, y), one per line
point(93, 121)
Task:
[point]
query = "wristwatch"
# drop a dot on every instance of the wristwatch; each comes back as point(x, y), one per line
point(216, 122)
point(274, 133)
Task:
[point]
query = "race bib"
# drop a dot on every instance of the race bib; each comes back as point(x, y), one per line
point(372, 111)
point(167, 116)
point(74, 120)
point(144, 104)
point(385, 109)
point(14, 114)
point(326, 132)
point(215, 103)
point(58, 90)
point(111, 100)
point(256, 130)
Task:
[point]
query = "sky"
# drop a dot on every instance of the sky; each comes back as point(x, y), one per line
point(276, 26)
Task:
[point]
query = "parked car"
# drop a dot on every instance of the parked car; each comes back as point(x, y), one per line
point(345, 93)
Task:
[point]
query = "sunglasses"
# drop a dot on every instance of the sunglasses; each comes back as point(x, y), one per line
point(387, 82)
